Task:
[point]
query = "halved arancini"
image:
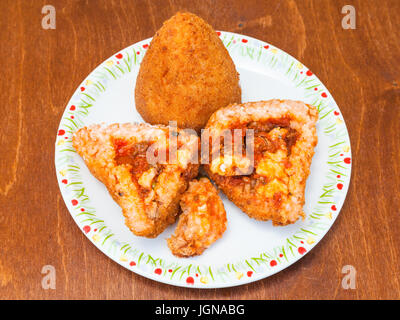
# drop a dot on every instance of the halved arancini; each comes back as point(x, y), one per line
point(147, 191)
point(202, 222)
point(271, 184)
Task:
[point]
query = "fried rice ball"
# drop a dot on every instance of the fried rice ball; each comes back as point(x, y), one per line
point(186, 74)
point(270, 184)
point(202, 222)
point(148, 191)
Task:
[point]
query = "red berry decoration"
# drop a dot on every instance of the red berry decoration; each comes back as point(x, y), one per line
point(273, 263)
point(347, 160)
point(61, 132)
point(190, 280)
point(244, 40)
point(170, 270)
point(119, 56)
point(132, 263)
point(82, 89)
point(324, 95)
point(249, 273)
point(145, 46)
point(309, 73)
point(86, 229)
point(158, 271)
point(334, 208)
point(266, 47)
point(340, 186)
point(65, 181)
point(301, 250)
point(74, 202)
point(336, 113)
point(218, 33)
point(72, 108)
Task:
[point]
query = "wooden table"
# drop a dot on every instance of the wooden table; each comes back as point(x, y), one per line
point(41, 69)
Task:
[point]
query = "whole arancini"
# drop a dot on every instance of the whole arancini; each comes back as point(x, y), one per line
point(186, 74)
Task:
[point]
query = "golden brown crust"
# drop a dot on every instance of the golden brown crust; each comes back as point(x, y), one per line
point(148, 194)
point(285, 137)
point(186, 74)
point(202, 222)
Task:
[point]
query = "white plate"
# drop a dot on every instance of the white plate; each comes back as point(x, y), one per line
point(249, 250)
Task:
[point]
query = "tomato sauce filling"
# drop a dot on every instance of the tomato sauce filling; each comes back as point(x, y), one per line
point(141, 170)
point(135, 156)
point(264, 144)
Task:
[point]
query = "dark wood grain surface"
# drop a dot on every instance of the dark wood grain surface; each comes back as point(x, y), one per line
point(40, 70)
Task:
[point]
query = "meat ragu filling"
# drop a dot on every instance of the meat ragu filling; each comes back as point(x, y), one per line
point(273, 142)
point(144, 175)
